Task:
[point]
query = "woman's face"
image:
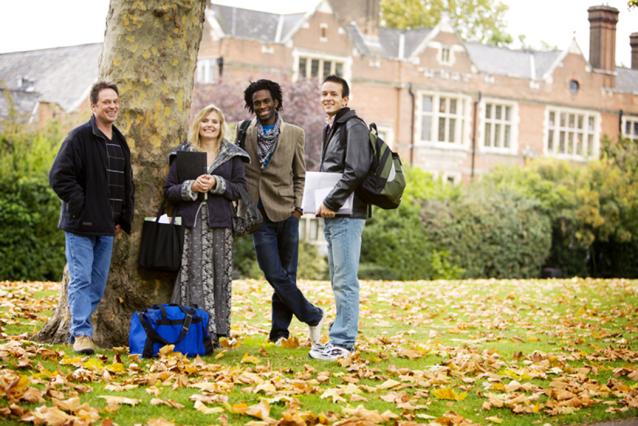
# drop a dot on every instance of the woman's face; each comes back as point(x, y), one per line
point(210, 126)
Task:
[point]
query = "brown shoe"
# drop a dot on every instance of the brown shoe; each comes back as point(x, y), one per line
point(84, 345)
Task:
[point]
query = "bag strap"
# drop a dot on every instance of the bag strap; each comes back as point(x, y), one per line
point(241, 134)
point(154, 337)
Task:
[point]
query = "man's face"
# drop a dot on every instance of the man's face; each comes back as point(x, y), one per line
point(264, 106)
point(331, 98)
point(107, 106)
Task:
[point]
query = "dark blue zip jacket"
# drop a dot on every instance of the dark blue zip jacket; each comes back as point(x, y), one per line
point(229, 166)
point(78, 176)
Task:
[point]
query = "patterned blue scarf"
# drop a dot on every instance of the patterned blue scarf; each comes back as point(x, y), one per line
point(267, 142)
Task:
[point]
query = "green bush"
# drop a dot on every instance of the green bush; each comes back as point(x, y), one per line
point(32, 247)
point(593, 208)
point(490, 233)
point(395, 241)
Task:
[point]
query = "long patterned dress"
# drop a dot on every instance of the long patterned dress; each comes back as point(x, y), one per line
point(205, 277)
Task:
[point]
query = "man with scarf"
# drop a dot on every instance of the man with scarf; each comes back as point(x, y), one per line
point(275, 180)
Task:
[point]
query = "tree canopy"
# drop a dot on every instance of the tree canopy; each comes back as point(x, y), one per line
point(476, 20)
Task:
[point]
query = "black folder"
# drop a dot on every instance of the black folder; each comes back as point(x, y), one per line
point(190, 165)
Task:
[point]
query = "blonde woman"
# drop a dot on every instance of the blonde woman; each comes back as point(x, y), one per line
point(204, 204)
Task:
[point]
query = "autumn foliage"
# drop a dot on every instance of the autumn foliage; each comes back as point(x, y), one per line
point(441, 353)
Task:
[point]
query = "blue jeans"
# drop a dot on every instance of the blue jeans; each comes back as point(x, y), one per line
point(343, 235)
point(88, 258)
point(277, 245)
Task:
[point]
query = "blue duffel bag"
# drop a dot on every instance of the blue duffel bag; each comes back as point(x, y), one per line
point(186, 327)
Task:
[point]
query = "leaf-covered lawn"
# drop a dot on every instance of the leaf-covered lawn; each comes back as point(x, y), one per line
point(512, 352)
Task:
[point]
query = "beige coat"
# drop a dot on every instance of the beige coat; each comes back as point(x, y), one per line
point(280, 185)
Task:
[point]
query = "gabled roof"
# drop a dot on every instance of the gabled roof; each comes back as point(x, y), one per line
point(527, 64)
point(255, 25)
point(626, 80)
point(389, 43)
point(61, 75)
point(24, 103)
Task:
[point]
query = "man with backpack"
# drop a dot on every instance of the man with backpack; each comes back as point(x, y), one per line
point(275, 180)
point(346, 149)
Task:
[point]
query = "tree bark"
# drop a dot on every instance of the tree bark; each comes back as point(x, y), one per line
point(150, 52)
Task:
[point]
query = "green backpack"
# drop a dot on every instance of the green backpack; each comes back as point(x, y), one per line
point(385, 183)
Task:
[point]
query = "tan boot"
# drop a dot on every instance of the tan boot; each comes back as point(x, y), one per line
point(84, 345)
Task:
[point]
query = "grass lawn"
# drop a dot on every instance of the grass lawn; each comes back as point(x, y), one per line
point(510, 352)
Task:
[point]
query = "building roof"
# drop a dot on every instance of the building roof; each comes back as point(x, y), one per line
point(527, 64)
point(62, 75)
point(401, 43)
point(626, 80)
point(251, 24)
point(23, 103)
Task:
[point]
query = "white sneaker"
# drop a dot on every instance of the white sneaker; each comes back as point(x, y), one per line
point(314, 331)
point(328, 352)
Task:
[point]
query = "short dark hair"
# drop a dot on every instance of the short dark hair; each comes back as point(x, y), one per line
point(345, 89)
point(263, 84)
point(98, 87)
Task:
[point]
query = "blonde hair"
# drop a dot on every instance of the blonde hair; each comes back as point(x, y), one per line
point(193, 136)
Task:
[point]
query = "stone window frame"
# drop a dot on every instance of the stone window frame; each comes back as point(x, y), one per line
point(462, 125)
point(563, 126)
point(446, 56)
point(491, 104)
point(629, 122)
point(297, 54)
point(206, 71)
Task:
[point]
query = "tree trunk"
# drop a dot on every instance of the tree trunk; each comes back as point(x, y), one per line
point(150, 52)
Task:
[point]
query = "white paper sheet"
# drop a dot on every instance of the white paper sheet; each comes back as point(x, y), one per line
point(318, 185)
point(164, 219)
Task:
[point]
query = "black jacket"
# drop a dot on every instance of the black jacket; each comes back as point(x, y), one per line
point(78, 176)
point(229, 165)
point(348, 154)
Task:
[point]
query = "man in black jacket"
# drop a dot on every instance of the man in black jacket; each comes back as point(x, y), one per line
point(346, 150)
point(92, 176)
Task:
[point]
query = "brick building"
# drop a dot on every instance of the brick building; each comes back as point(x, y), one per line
point(452, 107)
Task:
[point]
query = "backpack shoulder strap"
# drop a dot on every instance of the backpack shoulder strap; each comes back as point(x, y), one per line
point(241, 134)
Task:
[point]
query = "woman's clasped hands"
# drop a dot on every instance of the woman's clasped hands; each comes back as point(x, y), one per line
point(203, 183)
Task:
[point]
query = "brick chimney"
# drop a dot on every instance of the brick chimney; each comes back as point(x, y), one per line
point(633, 41)
point(602, 37)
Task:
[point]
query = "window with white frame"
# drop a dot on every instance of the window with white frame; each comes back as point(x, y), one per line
point(445, 56)
point(443, 119)
point(630, 127)
point(499, 126)
point(572, 134)
point(205, 72)
point(317, 67)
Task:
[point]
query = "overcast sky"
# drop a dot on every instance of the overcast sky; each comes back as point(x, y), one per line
point(36, 24)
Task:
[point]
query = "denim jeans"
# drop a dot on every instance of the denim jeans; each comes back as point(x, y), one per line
point(343, 235)
point(277, 245)
point(88, 258)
